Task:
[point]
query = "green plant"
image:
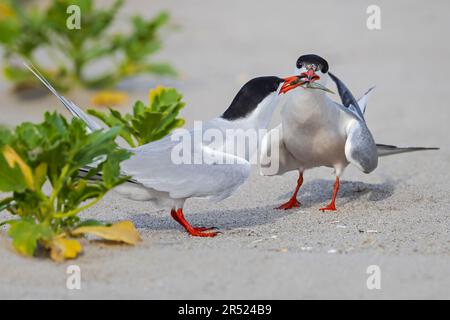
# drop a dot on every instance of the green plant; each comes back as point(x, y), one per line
point(49, 156)
point(25, 30)
point(147, 123)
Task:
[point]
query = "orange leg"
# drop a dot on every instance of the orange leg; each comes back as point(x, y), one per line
point(293, 203)
point(332, 205)
point(178, 216)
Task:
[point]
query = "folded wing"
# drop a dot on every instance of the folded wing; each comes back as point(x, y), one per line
point(158, 166)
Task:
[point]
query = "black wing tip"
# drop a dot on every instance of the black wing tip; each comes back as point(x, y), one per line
point(99, 175)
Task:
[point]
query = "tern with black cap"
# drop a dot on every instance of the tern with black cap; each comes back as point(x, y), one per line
point(157, 178)
point(316, 131)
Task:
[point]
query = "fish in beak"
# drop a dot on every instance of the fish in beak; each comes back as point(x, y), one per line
point(306, 80)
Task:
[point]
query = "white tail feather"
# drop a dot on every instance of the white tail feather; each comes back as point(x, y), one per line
point(72, 107)
point(362, 102)
point(387, 150)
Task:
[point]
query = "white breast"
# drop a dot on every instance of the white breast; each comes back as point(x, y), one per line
point(314, 129)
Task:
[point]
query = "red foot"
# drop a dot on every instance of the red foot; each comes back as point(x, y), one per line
point(330, 207)
point(196, 233)
point(178, 216)
point(292, 203)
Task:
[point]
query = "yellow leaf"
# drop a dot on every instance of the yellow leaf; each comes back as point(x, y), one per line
point(13, 158)
point(154, 93)
point(61, 249)
point(6, 11)
point(109, 98)
point(123, 231)
point(40, 174)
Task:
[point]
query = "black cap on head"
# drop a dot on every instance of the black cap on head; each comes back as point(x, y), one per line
point(315, 59)
point(250, 95)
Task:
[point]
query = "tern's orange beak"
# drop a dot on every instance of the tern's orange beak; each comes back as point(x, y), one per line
point(310, 75)
point(291, 83)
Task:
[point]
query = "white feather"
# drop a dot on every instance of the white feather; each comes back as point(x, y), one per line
point(72, 107)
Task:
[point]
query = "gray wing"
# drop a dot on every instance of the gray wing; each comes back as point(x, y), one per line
point(360, 148)
point(157, 165)
point(358, 108)
point(347, 98)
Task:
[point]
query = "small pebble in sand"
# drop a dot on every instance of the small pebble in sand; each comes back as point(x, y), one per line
point(306, 248)
point(367, 231)
point(341, 226)
point(332, 251)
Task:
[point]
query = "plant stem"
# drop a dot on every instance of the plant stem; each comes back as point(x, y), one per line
point(76, 211)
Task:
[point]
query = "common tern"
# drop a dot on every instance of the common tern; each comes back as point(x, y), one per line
point(157, 178)
point(316, 131)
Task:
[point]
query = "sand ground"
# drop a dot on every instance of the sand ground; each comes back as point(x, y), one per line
point(397, 218)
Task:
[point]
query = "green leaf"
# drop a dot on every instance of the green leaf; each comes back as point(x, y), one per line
point(26, 234)
point(31, 28)
point(55, 151)
point(111, 168)
point(6, 136)
point(115, 119)
point(162, 69)
point(177, 123)
point(147, 123)
point(9, 31)
point(73, 195)
point(95, 145)
point(139, 108)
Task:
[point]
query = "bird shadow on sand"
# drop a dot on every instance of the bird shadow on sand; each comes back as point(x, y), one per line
point(222, 219)
point(312, 193)
point(320, 191)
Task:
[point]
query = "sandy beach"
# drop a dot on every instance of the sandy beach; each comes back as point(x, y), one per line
point(397, 218)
